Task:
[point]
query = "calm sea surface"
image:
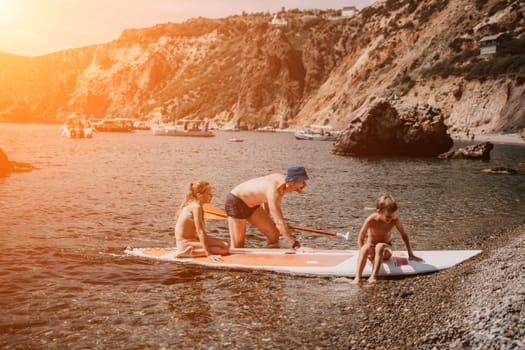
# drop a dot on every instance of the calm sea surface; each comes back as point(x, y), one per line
point(65, 282)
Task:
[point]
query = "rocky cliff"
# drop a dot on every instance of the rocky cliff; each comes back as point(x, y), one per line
point(318, 68)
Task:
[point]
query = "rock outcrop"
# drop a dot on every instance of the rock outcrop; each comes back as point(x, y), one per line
point(397, 129)
point(479, 151)
point(8, 166)
point(5, 165)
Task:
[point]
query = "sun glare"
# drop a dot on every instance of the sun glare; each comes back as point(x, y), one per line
point(7, 11)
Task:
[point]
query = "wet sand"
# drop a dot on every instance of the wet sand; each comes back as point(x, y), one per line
point(479, 304)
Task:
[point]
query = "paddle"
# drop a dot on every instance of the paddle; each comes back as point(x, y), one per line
point(212, 212)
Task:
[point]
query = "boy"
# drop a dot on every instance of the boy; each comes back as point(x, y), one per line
point(378, 227)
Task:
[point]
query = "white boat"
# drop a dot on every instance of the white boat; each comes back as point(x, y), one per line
point(317, 133)
point(192, 128)
point(114, 125)
point(141, 125)
point(77, 127)
point(266, 129)
point(77, 133)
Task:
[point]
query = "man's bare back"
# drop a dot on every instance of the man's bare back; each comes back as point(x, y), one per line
point(243, 204)
point(260, 190)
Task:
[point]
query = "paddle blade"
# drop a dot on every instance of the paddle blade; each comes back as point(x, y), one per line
point(344, 235)
point(212, 212)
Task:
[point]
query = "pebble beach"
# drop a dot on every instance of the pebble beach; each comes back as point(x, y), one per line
point(479, 304)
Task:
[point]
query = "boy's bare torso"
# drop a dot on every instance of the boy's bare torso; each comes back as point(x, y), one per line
point(380, 231)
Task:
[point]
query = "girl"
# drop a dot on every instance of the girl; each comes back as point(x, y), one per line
point(191, 238)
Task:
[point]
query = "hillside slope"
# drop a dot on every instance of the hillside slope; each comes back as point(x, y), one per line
point(319, 68)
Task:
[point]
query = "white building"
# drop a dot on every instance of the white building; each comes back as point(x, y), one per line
point(276, 21)
point(349, 11)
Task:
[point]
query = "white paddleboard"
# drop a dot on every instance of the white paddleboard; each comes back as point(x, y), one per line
point(315, 262)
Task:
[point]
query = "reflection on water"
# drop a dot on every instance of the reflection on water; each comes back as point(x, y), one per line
point(64, 281)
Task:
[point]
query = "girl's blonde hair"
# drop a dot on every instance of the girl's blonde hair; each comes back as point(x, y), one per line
point(196, 190)
point(386, 202)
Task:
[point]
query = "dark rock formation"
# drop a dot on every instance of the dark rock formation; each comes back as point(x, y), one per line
point(398, 129)
point(479, 151)
point(7, 167)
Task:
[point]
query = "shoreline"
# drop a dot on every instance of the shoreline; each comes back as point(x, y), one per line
point(510, 138)
point(477, 304)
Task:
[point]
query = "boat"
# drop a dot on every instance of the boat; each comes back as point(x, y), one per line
point(235, 139)
point(231, 129)
point(319, 262)
point(141, 125)
point(77, 127)
point(78, 132)
point(114, 125)
point(191, 128)
point(317, 133)
point(266, 129)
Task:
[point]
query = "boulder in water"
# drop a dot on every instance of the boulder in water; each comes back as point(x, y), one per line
point(479, 151)
point(395, 129)
point(7, 167)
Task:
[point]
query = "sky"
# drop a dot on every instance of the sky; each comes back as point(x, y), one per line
point(37, 27)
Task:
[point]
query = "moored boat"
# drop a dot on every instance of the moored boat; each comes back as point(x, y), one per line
point(114, 125)
point(141, 125)
point(191, 128)
point(266, 129)
point(317, 133)
point(77, 127)
point(78, 132)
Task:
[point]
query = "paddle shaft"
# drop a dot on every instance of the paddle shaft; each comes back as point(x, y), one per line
point(216, 213)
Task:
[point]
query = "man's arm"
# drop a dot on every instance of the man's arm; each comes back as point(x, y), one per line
point(274, 205)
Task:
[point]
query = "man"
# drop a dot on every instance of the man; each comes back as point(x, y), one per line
point(246, 201)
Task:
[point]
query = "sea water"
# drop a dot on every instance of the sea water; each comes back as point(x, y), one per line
point(65, 282)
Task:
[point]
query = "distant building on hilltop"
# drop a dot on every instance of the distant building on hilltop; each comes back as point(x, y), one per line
point(349, 11)
point(489, 44)
point(276, 21)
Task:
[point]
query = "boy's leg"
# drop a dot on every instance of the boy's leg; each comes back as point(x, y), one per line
point(380, 255)
point(361, 262)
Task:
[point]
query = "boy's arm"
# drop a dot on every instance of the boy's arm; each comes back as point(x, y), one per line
point(362, 234)
point(404, 236)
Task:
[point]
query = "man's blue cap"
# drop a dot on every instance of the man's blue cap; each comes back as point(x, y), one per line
point(296, 173)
